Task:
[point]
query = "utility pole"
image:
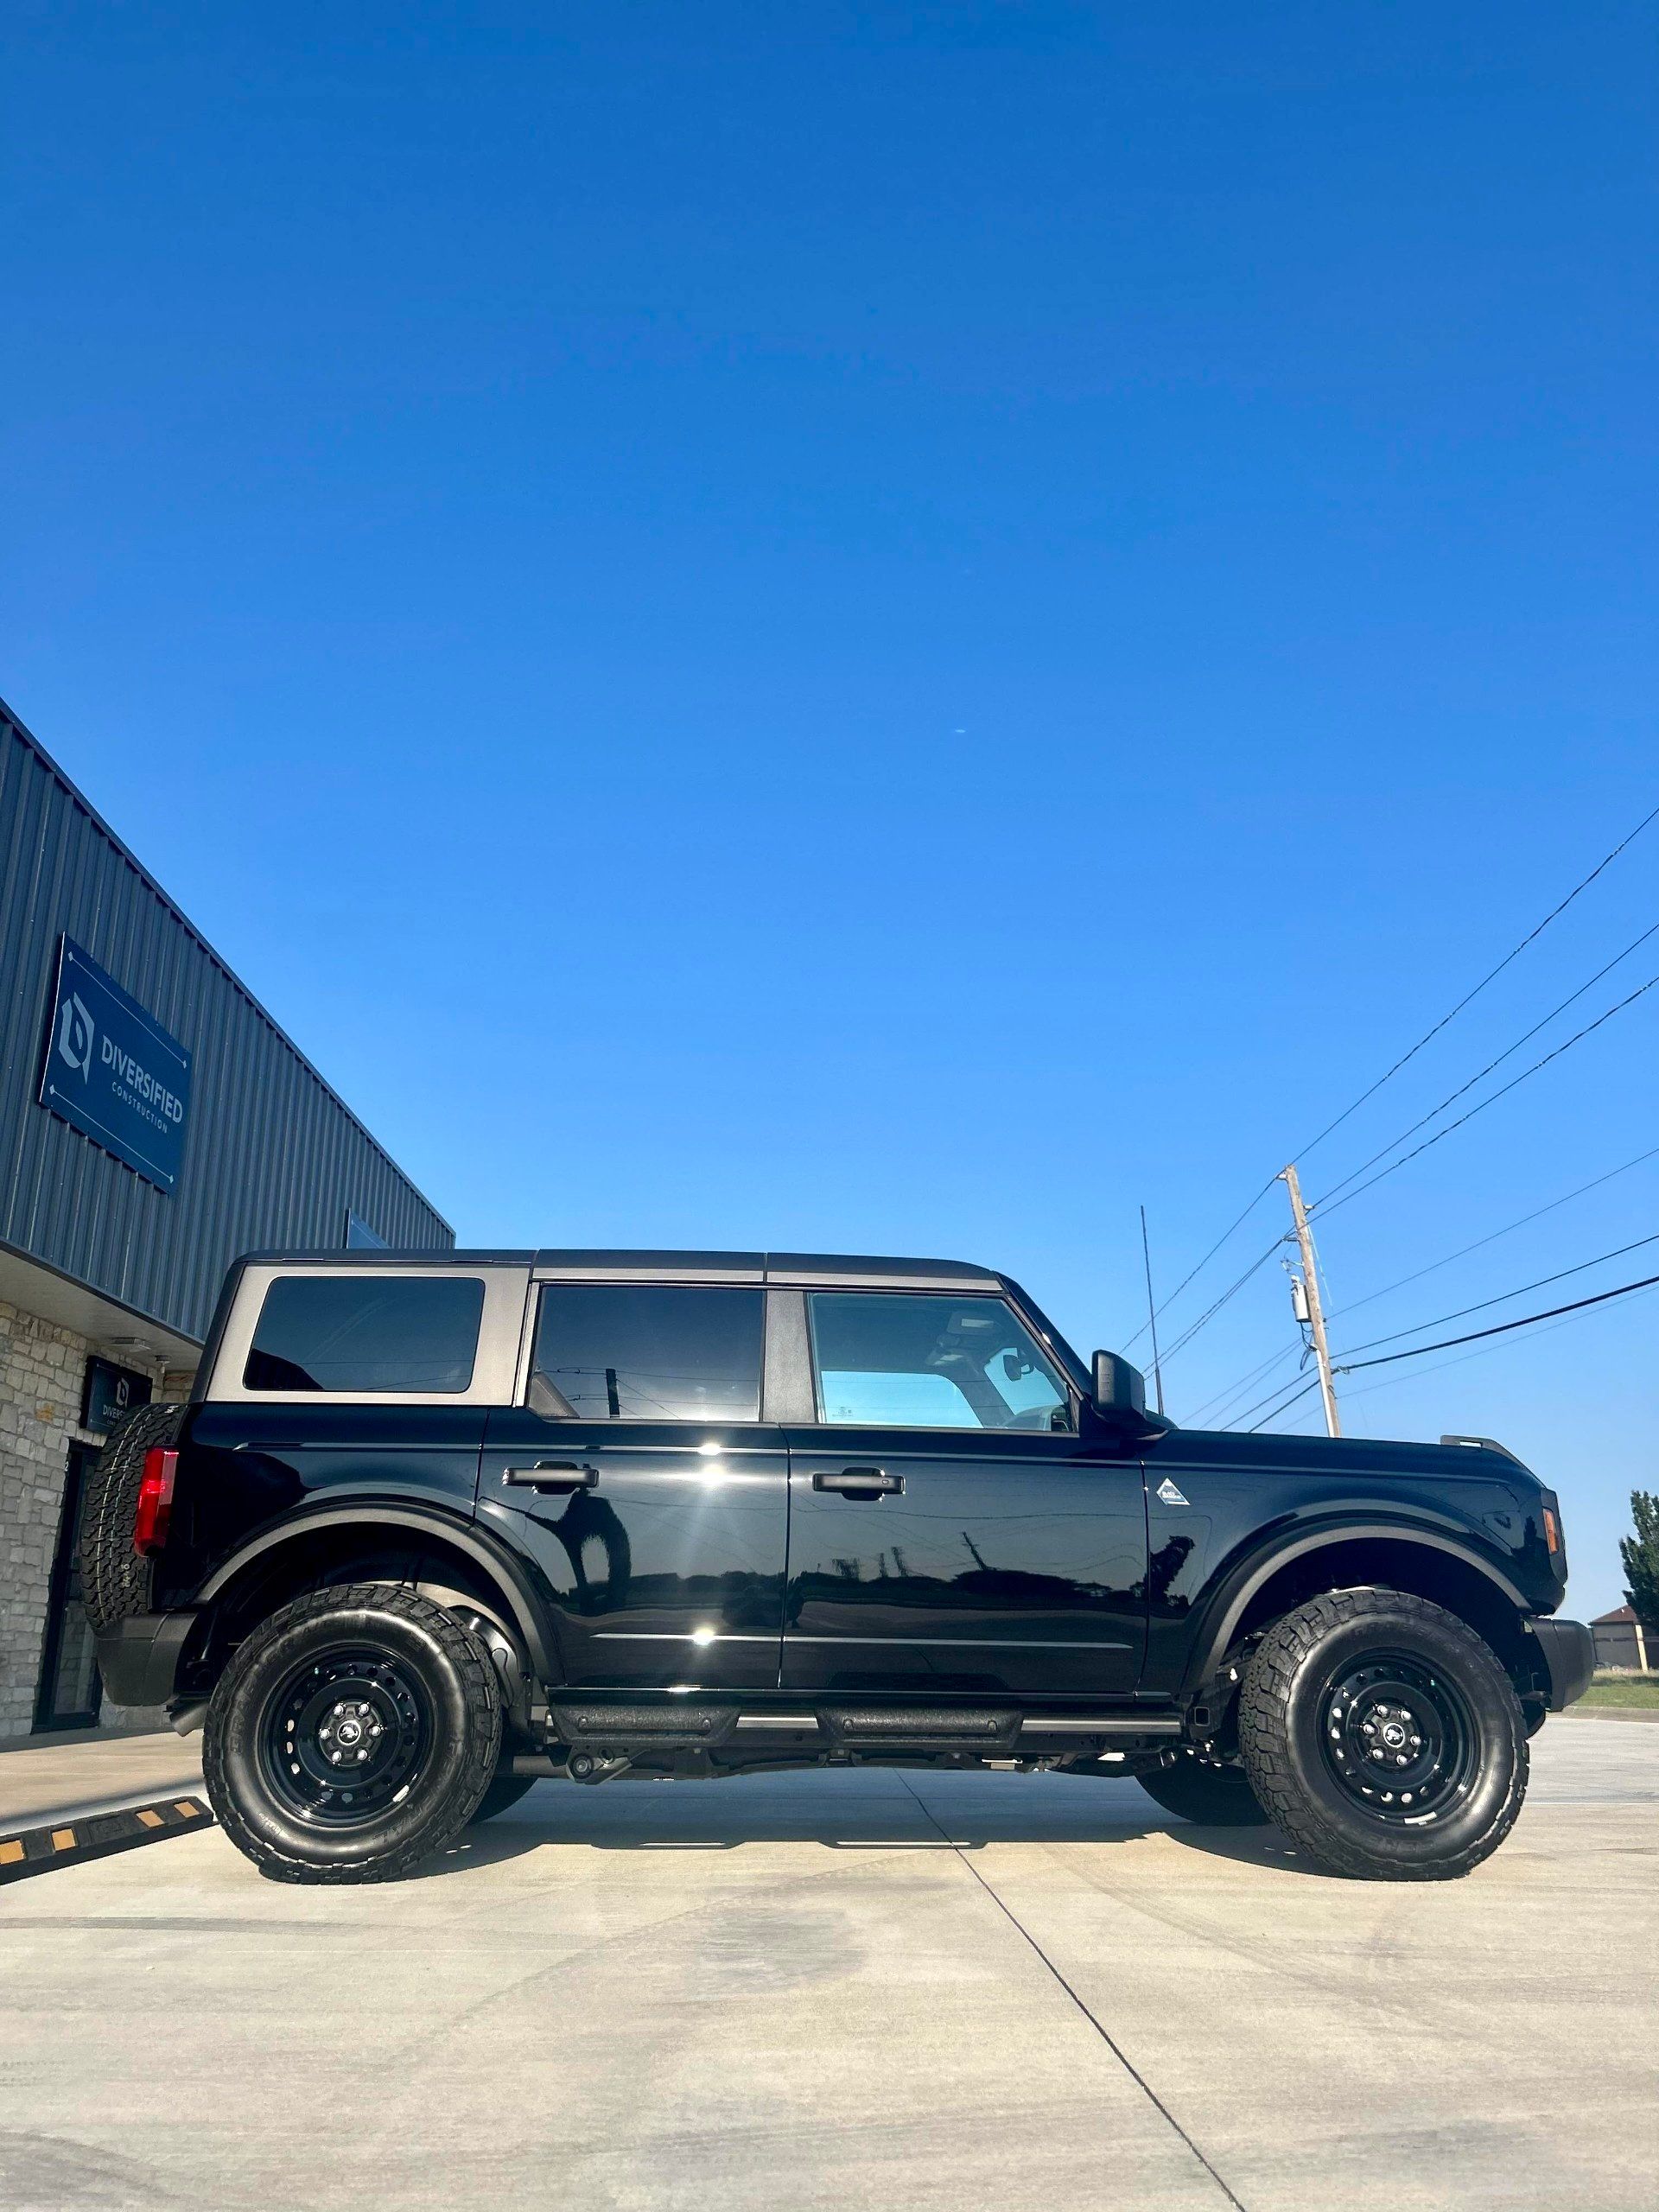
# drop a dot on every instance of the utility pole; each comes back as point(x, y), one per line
point(1315, 1310)
point(1152, 1316)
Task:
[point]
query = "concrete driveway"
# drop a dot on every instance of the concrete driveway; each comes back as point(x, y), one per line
point(852, 1989)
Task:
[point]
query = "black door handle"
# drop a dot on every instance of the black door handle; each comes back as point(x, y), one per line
point(551, 1475)
point(860, 1482)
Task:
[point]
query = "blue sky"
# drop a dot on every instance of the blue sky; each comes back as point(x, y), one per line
point(888, 628)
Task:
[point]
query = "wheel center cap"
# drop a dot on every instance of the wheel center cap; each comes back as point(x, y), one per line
point(1393, 1734)
point(350, 1731)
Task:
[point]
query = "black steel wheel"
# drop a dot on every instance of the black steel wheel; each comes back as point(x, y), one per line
point(1381, 1734)
point(345, 1736)
point(1204, 1790)
point(353, 1734)
point(1399, 1738)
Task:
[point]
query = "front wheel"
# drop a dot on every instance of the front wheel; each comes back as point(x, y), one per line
point(353, 1734)
point(1381, 1733)
point(1201, 1789)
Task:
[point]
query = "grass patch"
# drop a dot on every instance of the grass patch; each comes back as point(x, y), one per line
point(1623, 1689)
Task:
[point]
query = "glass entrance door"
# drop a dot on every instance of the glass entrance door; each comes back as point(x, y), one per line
point(70, 1692)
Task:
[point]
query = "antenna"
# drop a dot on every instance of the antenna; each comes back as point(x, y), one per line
point(1152, 1314)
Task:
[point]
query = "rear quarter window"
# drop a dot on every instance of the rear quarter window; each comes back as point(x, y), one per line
point(365, 1336)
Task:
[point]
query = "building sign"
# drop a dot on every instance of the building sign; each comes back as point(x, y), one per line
point(113, 1071)
point(110, 1394)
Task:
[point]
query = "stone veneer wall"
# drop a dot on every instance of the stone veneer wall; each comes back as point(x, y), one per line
point(41, 1370)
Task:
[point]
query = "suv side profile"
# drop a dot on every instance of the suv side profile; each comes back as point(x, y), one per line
point(429, 1529)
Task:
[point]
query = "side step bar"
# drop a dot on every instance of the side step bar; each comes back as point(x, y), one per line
point(617, 1729)
point(910, 1728)
point(614, 1730)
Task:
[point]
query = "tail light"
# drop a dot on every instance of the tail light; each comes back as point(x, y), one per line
point(155, 1514)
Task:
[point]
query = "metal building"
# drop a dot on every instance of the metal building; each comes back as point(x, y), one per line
point(154, 1122)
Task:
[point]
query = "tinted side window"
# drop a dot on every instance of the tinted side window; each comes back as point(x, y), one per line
point(365, 1333)
point(619, 1351)
point(889, 1360)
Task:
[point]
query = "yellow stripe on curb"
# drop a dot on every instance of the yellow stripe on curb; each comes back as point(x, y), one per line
point(63, 1839)
point(147, 1818)
point(10, 1851)
point(187, 1811)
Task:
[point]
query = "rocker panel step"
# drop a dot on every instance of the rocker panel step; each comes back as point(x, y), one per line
point(642, 1727)
point(944, 1728)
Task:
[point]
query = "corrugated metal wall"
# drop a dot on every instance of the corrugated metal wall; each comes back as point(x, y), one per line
point(271, 1156)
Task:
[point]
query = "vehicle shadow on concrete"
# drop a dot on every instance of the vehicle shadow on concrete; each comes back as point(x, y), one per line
point(623, 1817)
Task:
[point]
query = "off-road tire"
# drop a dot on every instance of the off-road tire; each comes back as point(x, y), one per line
point(115, 1582)
point(1198, 1790)
point(506, 1789)
point(458, 1682)
point(1283, 1732)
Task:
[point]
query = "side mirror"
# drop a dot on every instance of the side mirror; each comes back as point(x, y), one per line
point(1119, 1388)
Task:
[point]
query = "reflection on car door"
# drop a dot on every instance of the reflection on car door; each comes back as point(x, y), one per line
point(639, 1477)
point(933, 1550)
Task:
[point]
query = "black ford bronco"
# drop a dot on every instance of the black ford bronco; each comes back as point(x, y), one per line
point(431, 1528)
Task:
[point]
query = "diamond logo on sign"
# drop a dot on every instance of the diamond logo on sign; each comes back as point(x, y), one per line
point(76, 1036)
point(111, 1072)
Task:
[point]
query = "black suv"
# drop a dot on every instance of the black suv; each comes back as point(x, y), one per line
point(431, 1528)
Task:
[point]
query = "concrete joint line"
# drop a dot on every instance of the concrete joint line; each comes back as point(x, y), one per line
point(1132, 2070)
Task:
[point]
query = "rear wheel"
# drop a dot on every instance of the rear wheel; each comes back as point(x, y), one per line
point(1382, 1735)
point(1201, 1789)
point(353, 1733)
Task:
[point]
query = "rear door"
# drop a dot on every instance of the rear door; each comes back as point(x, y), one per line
point(637, 1472)
point(950, 1529)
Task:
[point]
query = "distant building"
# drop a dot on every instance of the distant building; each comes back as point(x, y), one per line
point(154, 1122)
point(1621, 1640)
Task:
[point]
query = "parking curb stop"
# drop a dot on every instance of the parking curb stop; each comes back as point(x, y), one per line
point(75, 1839)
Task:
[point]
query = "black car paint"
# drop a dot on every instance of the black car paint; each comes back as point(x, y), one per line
point(1127, 1547)
point(666, 1568)
point(1007, 1565)
point(245, 1467)
point(1247, 1501)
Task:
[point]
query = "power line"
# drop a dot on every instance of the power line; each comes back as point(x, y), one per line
point(1277, 1390)
point(1210, 1312)
point(1462, 1252)
point(1502, 1328)
point(1206, 1260)
point(1560, 1315)
point(1469, 997)
point(1393, 1382)
point(1521, 1290)
point(1329, 1202)
point(1423, 1121)
point(1237, 1388)
point(1313, 1383)
point(1445, 1344)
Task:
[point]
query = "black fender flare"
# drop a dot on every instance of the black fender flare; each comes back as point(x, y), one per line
point(1224, 1606)
point(519, 1599)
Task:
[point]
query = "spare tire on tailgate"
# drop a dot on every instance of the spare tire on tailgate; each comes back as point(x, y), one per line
point(115, 1582)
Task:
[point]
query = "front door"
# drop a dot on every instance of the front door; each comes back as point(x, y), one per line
point(639, 1477)
point(950, 1532)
